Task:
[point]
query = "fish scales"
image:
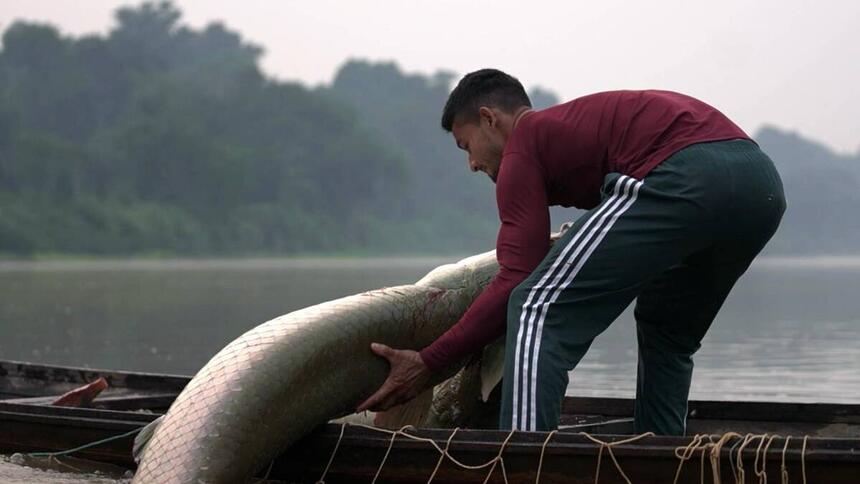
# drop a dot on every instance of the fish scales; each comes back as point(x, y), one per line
point(275, 383)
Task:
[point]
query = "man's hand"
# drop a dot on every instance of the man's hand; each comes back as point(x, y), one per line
point(407, 378)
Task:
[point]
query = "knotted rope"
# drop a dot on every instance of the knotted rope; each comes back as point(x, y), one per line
point(492, 463)
point(712, 445)
point(443, 454)
point(704, 443)
point(542, 450)
point(783, 470)
point(330, 459)
point(608, 446)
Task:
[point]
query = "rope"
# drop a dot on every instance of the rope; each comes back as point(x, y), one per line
point(542, 450)
point(608, 446)
point(390, 445)
point(705, 443)
point(498, 459)
point(762, 476)
point(330, 459)
point(683, 453)
point(701, 442)
point(784, 472)
point(490, 463)
point(764, 457)
point(599, 459)
point(803, 458)
point(432, 442)
point(716, 451)
point(757, 454)
point(740, 476)
point(443, 454)
point(687, 453)
point(713, 449)
point(702, 459)
point(85, 446)
point(732, 452)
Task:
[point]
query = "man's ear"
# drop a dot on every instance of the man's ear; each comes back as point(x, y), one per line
point(488, 115)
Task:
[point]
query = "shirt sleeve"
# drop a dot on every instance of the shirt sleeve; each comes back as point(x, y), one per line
point(522, 243)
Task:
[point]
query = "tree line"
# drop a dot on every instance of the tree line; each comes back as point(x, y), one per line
point(158, 138)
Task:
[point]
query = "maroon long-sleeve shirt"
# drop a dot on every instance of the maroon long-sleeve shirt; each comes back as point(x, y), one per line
point(559, 156)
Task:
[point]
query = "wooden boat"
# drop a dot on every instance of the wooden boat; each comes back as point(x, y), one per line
point(824, 444)
point(28, 423)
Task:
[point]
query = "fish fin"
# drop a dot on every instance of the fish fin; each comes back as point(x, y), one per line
point(492, 367)
point(143, 437)
point(412, 412)
point(82, 396)
point(362, 418)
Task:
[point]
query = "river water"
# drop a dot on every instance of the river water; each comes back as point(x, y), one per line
point(790, 331)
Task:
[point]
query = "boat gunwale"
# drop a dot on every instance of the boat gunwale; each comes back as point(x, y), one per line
point(75, 426)
point(75, 374)
point(159, 387)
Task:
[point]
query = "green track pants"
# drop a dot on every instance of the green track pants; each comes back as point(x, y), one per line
point(676, 241)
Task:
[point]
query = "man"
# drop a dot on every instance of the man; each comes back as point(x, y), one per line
point(679, 202)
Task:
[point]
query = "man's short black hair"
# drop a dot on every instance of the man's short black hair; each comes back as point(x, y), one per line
point(486, 87)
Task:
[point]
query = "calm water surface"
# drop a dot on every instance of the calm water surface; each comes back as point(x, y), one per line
point(790, 331)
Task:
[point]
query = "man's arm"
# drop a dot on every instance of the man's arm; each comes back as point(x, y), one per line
point(522, 243)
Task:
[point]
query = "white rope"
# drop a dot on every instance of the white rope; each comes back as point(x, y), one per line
point(703, 443)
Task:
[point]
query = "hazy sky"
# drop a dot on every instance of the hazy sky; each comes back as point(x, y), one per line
point(792, 63)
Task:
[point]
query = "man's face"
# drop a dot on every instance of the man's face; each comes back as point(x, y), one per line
point(482, 141)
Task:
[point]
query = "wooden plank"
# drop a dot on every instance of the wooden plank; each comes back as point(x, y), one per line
point(35, 428)
point(22, 379)
point(56, 434)
point(158, 402)
point(116, 401)
point(72, 413)
point(728, 410)
point(775, 411)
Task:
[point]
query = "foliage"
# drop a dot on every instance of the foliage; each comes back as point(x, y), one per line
point(160, 138)
point(157, 138)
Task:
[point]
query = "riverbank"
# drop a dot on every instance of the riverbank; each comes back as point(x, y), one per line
point(331, 261)
point(232, 264)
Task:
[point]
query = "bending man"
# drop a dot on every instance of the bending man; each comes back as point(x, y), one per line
point(679, 201)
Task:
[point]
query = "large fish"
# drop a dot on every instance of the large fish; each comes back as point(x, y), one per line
point(275, 383)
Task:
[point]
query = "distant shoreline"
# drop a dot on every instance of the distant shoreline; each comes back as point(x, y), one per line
point(337, 261)
point(227, 263)
point(810, 261)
